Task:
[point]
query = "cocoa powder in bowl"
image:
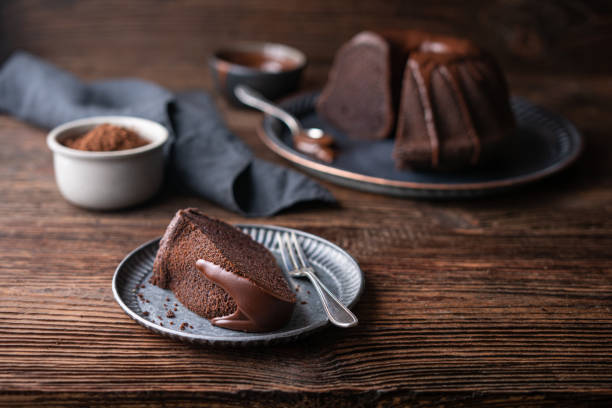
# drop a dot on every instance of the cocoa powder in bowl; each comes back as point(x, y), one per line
point(106, 138)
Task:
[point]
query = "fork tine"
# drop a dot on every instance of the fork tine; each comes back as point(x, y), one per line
point(283, 251)
point(291, 251)
point(298, 249)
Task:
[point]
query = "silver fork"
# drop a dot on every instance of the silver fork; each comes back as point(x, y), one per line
point(297, 265)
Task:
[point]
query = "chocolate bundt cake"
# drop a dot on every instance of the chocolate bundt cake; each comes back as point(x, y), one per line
point(222, 274)
point(449, 99)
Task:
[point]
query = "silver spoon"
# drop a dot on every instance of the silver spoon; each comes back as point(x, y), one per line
point(312, 141)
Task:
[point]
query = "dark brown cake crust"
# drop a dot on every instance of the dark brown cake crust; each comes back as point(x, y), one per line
point(357, 98)
point(191, 236)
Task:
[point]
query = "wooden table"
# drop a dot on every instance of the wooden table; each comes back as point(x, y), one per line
point(499, 301)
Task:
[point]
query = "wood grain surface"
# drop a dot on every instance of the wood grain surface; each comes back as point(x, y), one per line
point(500, 301)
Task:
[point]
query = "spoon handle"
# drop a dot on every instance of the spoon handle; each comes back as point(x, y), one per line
point(254, 99)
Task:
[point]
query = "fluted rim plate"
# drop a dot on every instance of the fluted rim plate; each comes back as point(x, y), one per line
point(334, 266)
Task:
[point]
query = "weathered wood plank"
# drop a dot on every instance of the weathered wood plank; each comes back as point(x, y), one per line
point(569, 36)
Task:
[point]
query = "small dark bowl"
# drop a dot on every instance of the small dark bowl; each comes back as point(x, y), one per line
point(272, 69)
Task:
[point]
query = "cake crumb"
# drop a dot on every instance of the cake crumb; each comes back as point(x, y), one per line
point(175, 309)
point(159, 317)
point(147, 301)
point(183, 326)
point(143, 286)
point(303, 302)
point(165, 307)
point(190, 326)
point(176, 304)
point(170, 314)
point(167, 299)
point(161, 324)
point(308, 292)
point(145, 313)
point(171, 323)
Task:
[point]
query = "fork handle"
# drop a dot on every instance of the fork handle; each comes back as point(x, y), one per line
point(337, 313)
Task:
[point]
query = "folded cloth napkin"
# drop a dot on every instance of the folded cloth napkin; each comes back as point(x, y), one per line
point(203, 155)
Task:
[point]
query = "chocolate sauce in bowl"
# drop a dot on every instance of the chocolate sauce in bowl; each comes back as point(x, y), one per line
point(258, 60)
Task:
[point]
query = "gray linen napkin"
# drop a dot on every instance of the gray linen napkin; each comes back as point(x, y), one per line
point(203, 155)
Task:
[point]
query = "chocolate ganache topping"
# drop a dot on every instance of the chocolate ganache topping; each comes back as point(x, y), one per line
point(257, 311)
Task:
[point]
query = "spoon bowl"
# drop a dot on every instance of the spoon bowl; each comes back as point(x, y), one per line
point(311, 141)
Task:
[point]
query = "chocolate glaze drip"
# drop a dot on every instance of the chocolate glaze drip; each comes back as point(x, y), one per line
point(257, 311)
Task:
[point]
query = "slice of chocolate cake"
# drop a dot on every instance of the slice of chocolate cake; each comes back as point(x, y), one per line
point(222, 274)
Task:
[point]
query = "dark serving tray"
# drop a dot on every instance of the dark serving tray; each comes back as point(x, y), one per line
point(545, 143)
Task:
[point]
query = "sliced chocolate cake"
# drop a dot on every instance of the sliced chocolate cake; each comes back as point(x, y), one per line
point(449, 104)
point(222, 274)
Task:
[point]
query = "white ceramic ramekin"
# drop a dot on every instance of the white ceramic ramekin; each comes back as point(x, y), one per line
point(108, 180)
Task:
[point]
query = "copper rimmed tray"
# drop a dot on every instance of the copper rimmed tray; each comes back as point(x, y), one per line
point(544, 144)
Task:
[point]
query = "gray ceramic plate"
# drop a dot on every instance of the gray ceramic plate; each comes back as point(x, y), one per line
point(147, 304)
point(544, 143)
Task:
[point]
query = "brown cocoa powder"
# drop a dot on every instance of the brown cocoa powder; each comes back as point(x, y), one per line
point(106, 138)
